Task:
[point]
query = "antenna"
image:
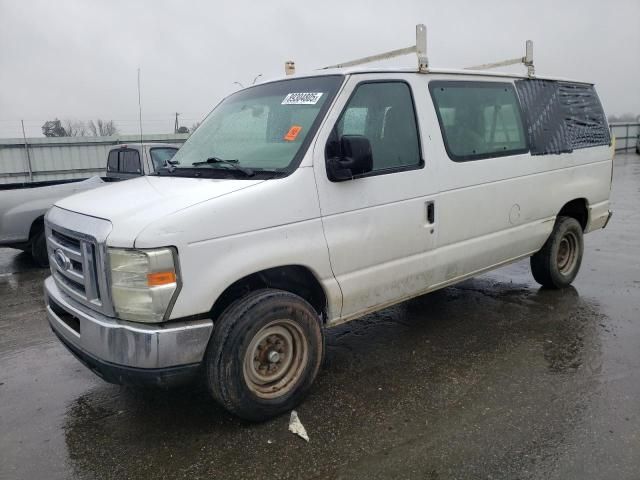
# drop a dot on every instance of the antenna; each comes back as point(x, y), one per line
point(527, 61)
point(140, 111)
point(420, 49)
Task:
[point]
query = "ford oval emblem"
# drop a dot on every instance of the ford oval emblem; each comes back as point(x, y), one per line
point(62, 261)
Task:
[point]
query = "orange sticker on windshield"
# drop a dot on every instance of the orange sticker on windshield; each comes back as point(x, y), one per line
point(292, 133)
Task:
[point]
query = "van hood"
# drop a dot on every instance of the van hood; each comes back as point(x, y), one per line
point(131, 205)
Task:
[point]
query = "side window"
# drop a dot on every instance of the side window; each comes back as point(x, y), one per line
point(161, 155)
point(129, 162)
point(112, 161)
point(384, 113)
point(479, 119)
point(354, 121)
point(562, 116)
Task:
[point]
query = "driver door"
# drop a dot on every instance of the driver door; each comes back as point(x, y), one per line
point(380, 226)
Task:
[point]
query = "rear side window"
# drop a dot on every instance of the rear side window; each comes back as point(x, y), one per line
point(112, 162)
point(562, 116)
point(479, 119)
point(384, 113)
point(130, 162)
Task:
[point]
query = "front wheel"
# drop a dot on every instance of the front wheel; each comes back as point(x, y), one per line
point(264, 354)
point(558, 262)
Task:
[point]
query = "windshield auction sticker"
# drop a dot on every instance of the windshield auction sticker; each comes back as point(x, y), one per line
point(302, 98)
point(292, 133)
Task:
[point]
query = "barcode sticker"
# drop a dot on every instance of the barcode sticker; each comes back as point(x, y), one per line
point(302, 98)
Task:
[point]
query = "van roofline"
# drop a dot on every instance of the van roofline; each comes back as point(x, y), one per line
point(431, 71)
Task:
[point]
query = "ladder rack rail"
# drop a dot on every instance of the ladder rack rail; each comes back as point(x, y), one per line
point(527, 60)
point(420, 49)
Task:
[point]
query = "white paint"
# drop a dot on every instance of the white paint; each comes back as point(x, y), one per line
point(367, 241)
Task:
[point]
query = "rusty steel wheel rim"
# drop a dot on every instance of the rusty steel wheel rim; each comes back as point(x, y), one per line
point(275, 359)
point(567, 253)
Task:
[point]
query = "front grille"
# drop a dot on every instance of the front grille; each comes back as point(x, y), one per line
point(77, 250)
point(73, 260)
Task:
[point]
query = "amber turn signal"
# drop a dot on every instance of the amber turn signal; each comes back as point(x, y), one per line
point(160, 278)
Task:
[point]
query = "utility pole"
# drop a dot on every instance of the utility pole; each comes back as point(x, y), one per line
point(176, 126)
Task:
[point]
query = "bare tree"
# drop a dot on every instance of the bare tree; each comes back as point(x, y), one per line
point(102, 128)
point(194, 126)
point(76, 128)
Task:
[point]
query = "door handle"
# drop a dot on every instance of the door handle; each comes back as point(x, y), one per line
point(431, 212)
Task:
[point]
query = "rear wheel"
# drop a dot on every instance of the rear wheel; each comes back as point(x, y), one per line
point(39, 248)
point(264, 354)
point(558, 262)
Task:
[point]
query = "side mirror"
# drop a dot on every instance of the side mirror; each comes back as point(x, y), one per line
point(356, 159)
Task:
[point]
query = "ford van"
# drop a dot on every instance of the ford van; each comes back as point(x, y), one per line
point(312, 200)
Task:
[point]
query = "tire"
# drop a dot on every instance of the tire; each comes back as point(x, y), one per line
point(558, 262)
point(39, 249)
point(265, 330)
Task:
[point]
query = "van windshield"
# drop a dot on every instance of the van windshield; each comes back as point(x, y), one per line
point(265, 128)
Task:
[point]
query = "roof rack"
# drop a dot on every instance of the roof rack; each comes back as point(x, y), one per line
point(420, 49)
point(527, 60)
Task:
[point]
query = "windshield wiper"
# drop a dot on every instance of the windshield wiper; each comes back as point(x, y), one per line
point(232, 163)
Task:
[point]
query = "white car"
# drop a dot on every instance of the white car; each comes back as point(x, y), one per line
point(310, 201)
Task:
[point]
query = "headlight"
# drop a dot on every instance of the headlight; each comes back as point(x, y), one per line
point(143, 283)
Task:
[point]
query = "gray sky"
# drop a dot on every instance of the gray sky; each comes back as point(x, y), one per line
point(79, 59)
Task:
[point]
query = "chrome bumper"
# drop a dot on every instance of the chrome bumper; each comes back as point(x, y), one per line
point(123, 343)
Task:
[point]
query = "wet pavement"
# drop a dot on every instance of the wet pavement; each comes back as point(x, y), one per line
point(492, 378)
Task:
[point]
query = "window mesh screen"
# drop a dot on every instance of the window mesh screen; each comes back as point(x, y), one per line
point(562, 116)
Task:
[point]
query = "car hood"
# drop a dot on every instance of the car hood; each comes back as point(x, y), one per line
point(131, 205)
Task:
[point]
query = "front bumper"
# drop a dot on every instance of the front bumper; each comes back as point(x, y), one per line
point(127, 352)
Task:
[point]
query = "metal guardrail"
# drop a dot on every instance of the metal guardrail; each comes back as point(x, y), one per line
point(631, 131)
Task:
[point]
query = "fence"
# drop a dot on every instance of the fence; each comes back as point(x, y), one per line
point(626, 134)
point(40, 159)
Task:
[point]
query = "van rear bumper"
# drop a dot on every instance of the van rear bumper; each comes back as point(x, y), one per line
point(127, 352)
point(599, 216)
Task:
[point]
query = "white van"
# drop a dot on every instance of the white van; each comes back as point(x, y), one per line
point(312, 200)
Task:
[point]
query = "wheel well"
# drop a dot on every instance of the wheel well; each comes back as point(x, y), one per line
point(577, 209)
point(296, 279)
point(36, 226)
